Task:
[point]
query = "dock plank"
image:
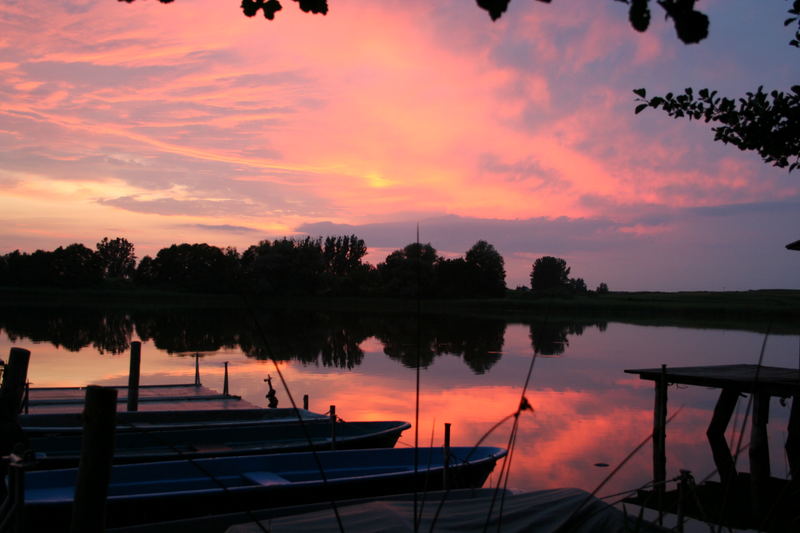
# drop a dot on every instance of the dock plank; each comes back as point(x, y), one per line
point(772, 380)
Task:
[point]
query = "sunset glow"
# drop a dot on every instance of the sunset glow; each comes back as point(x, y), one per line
point(166, 123)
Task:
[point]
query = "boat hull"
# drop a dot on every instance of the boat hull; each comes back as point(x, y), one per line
point(181, 489)
point(245, 438)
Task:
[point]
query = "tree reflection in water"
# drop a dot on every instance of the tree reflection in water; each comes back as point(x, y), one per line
point(551, 338)
point(311, 338)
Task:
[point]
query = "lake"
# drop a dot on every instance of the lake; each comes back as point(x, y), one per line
point(586, 410)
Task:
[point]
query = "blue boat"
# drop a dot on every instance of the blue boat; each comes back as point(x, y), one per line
point(153, 492)
point(62, 423)
point(168, 443)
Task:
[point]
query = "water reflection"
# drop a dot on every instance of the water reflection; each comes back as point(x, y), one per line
point(329, 340)
point(587, 410)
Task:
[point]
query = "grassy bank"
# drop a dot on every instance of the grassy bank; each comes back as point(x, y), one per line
point(777, 310)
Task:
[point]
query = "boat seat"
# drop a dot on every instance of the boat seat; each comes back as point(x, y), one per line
point(265, 478)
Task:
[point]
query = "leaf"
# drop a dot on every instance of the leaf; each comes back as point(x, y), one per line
point(640, 108)
point(640, 92)
point(789, 21)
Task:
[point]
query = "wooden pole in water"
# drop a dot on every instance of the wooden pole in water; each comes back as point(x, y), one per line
point(659, 439)
point(333, 427)
point(15, 374)
point(225, 382)
point(97, 452)
point(27, 400)
point(133, 376)
point(793, 440)
point(197, 370)
point(723, 411)
point(446, 471)
point(759, 453)
point(305, 402)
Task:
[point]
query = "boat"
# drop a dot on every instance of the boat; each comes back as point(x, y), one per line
point(248, 437)
point(455, 511)
point(64, 423)
point(153, 492)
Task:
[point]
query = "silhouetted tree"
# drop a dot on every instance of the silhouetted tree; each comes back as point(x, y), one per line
point(75, 266)
point(490, 269)
point(578, 286)
point(145, 273)
point(549, 273)
point(602, 288)
point(284, 266)
point(196, 267)
point(455, 278)
point(117, 258)
point(345, 273)
point(410, 272)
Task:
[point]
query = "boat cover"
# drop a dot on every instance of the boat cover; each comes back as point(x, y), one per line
point(540, 511)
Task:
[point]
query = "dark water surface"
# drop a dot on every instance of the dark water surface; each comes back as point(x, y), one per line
point(587, 411)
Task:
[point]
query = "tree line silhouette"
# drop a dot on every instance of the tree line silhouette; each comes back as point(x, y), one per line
point(286, 266)
point(330, 266)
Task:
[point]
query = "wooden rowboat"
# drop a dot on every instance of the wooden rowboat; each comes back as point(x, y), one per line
point(61, 423)
point(167, 443)
point(152, 492)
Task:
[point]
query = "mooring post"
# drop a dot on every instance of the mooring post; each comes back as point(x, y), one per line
point(446, 471)
point(723, 411)
point(793, 440)
point(94, 468)
point(305, 402)
point(333, 427)
point(225, 382)
point(659, 440)
point(196, 369)
point(759, 453)
point(26, 401)
point(15, 374)
point(683, 493)
point(133, 376)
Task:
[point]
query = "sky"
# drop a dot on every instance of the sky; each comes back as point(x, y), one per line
point(190, 122)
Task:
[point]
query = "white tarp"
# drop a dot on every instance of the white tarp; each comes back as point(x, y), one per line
point(544, 511)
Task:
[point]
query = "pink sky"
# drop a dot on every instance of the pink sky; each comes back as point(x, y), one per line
point(189, 122)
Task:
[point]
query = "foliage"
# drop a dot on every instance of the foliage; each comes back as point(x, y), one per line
point(761, 122)
point(196, 267)
point(764, 122)
point(489, 267)
point(284, 266)
point(410, 272)
point(578, 286)
point(602, 288)
point(690, 24)
point(117, 258)
point(549, 273)
point(345, 271)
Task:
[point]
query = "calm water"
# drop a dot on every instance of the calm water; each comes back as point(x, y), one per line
point(587, 410)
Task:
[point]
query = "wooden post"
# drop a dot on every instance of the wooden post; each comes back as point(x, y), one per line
point(793, 439)
point(197, 370)
point(133, 376)
point(333, 427)
point(305, 402)
point(723, 411)
point(97, 452)
point(759, 453)
point(659, 439)
point(26, 401)
point(15, 375)
point(445, 480)
point(225, 382)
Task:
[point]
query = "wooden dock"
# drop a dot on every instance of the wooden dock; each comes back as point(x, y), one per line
point(762, 383)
